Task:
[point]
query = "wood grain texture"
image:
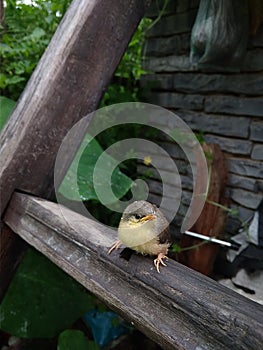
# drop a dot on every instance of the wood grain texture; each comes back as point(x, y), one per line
point(11, 252)
point(178, 308)
point(67, 84)
point(212, 219)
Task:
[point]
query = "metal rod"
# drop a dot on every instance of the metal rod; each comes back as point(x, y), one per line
point(230, 245)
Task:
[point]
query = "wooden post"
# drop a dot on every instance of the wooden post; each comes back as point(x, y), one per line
point(68, 83)
point(212, 220)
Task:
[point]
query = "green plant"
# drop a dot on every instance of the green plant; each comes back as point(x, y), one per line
point(75, 340)
point(84, 163)
point(6, 107)
point(124, 86)
point(25, 32)
point(42, 300)
point(175, 248)
point(232, 212)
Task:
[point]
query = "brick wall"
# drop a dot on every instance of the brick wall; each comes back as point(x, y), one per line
point(226, 107)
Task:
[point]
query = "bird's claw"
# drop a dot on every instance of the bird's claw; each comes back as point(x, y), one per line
point(116, 245)
point(159, 260)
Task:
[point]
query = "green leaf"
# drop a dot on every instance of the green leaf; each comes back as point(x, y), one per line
point(2, 81)
point(42, 300)
point(75, 340)
point(14, 80)
point(84, 189)
point(37, 33)
point(175, 248)
point(6, 108)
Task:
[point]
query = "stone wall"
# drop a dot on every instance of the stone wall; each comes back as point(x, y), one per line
point(226, 107)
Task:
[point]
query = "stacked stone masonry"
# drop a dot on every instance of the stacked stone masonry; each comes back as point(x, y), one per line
point(227, 107)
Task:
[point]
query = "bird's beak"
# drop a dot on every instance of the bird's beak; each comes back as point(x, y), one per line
point(148, 217)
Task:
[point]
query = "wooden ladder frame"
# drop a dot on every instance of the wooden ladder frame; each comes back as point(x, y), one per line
point(179, 308)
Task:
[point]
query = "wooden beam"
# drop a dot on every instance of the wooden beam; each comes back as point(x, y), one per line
point(67, 84)
point(178, 308)
point(10, 243)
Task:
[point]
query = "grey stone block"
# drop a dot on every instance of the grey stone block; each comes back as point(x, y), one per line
point(246, 183)
point(167, 176)
point(178, 23)
point(186, 198)
point(230, 145)
point(236, 222)
point(187, 182)
point(167, 64)
point(259, 185)
point(193, 3)
point(185, 5)
point(172, 45)
point(243, 214)
point(256, 131)
point(253, 61)
point(257, 152)
point(245, 198)
point(232, 225)
point(249, 84)
point(216, 124)
point(173, 6)
point(153, 198)
point(173, 149)
point(257, 41)
point(235, 105)
point(157, 81)
point(176, 101)
point(245, 167)
point(182, 210)
point(164, 190)
point(158, 7)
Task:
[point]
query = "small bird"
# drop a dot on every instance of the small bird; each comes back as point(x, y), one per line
point(144, 228)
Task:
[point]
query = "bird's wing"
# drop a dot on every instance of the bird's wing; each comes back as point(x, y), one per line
point(165, 236)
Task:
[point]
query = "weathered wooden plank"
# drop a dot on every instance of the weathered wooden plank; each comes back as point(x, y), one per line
point(179, 308)
point(9, 242)
point(67, 84)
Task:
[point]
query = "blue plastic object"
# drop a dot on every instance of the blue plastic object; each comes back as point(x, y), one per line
point(105, 326)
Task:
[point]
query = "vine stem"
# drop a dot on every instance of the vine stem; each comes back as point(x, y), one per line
point(194, 246)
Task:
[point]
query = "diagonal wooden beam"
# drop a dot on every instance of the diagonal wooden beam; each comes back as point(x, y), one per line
point(178, 308)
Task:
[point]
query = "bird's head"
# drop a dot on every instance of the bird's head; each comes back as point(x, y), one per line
point(137, 214)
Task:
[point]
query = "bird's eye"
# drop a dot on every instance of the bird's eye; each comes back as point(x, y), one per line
point(137, 216)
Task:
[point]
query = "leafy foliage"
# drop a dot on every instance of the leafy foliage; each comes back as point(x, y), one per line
point(6, 107)
point(120, 183)
point(26, 32)
point(124, 86)
point(73, 339)
point(42, 300)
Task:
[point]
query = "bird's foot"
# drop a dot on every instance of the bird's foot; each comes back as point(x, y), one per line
point(159, 260)
point(116, 245)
